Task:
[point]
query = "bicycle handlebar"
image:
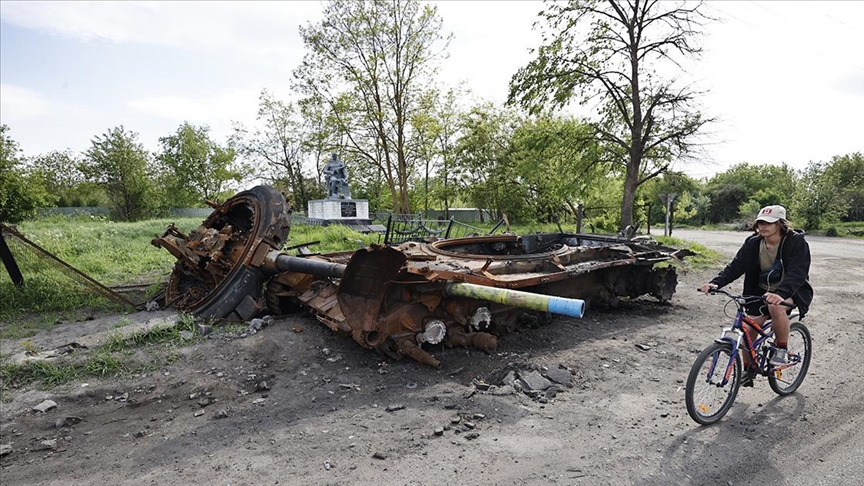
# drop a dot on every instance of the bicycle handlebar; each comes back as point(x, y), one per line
point(743, 299)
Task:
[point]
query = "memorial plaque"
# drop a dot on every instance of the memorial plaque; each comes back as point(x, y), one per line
point(349, 210)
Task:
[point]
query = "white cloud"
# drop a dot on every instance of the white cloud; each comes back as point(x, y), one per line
point(486, 56)
point(198, 108)
point(218, 111)
point(259, 31)
point(19, 104)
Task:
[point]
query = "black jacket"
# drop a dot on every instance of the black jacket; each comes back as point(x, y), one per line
point(795, 253)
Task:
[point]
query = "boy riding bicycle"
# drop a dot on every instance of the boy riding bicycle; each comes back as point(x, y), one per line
point(775, 262)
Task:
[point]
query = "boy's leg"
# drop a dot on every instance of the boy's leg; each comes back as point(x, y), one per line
point(780, 321)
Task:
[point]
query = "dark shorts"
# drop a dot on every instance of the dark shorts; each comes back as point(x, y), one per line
point(757, 309)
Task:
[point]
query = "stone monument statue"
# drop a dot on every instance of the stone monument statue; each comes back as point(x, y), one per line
point(339, 207)
point(336, 176)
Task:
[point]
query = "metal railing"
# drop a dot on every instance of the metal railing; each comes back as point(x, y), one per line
point(403, 230)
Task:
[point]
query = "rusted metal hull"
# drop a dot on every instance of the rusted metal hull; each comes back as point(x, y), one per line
point(390, 297)
point(406, 300)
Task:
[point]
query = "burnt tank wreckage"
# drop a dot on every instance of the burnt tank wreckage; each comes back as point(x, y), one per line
point(400, 300)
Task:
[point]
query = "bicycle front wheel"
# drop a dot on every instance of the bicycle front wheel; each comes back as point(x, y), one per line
point(708, 399)
point(787, 380)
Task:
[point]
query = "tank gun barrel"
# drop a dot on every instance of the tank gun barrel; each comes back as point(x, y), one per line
point(518, 298)
point(287, 263)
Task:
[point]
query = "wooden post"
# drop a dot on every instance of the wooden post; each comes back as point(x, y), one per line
point(579, 214)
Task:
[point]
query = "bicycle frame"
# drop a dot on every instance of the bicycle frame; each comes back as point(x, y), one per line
point(738, 330)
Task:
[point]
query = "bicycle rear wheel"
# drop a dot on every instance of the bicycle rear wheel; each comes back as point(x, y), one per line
point(708, 401)
point(786, 381)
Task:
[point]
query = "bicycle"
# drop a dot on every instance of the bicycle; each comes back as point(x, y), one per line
point(717, 373)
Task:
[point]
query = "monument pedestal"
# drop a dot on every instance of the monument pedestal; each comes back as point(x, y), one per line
point(353, 213)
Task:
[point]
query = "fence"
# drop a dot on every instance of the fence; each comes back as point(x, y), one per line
point(401, 230)
point(106, 211)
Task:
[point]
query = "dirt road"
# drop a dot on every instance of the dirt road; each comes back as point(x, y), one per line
point(331, 413)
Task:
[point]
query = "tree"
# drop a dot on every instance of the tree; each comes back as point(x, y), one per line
point(820, 201)
point(485, 169)
point(322, 137)
point(61, 173)
point(196, 168)
point(370, 62)
point(848, 171)
point(741, 190)
point(21, 192)
point(119, 164)
point(609, 50)
point(556, 160)
point(447, 116)
point(279, 142)
point(436, 126)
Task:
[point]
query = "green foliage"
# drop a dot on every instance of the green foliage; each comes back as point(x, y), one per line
point(48, 374)
point(196, 169)
point(103, 363)
point(62, 176)
point(848, 172)
point(278, 146)
point(120, 165)
point(557, 161)
point(832, 231)
point(725, 201)
point(370, 63)
point(820, 201)
point(484, 168)
point(112, 253)
point(331, 239)
point(607, 54)
point(704, 258)
point(21, 192)
point(164, 335)
point(689, 205)
point(105, 360)
point(738, 193)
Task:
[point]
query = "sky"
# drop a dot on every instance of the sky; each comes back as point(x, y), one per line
point(784, 79)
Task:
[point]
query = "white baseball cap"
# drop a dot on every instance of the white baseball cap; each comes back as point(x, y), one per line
point(771, 214)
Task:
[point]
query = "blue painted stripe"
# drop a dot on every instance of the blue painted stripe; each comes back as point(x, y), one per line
point(567, 307)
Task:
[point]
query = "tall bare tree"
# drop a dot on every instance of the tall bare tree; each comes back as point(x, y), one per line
point(278, 141)
point(370, 62)
point(607, 53)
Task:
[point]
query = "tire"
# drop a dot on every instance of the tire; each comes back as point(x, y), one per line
point(707, 402)
point(786, 381)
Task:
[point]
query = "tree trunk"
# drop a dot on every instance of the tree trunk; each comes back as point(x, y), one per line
point(631, 183)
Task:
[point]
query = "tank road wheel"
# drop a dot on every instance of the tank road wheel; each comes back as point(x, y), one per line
point(215, 278)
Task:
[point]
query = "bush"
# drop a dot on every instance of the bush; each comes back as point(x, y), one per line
point(832, 231)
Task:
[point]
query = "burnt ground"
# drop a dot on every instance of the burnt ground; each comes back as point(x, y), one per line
point(332, 413)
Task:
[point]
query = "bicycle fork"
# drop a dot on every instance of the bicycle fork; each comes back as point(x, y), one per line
point(733, 337)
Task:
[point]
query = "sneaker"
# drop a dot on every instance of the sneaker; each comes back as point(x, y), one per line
point(747, 380)
point(779, 358)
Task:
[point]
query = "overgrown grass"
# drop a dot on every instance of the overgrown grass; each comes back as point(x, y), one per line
point(852, 229)
point(170, 335)
point(331, 239)
point(704, 257)
point(111, 253)
point(106, 360)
